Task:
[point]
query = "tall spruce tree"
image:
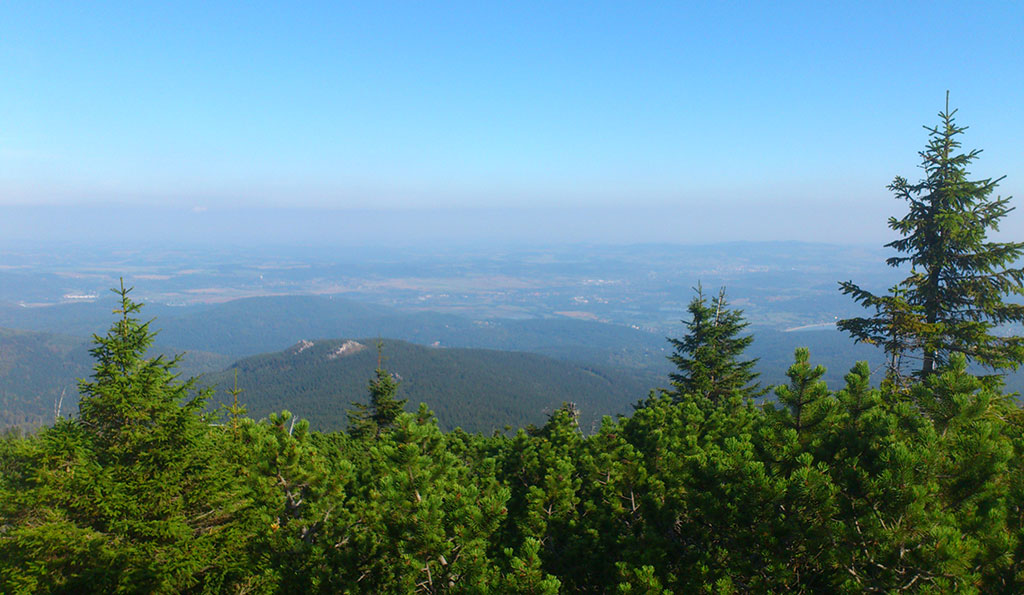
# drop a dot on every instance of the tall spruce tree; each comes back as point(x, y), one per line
point(708, 357)
point(136, 495)
point(953, 299)
point(135, 405)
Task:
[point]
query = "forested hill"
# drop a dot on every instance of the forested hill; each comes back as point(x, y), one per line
point(475, 389)
point(36, 369)
point(258, 325)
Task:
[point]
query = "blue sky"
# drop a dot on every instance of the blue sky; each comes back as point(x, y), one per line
point(685, 112)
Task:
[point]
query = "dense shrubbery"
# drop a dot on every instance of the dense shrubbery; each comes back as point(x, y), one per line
point(852, 490)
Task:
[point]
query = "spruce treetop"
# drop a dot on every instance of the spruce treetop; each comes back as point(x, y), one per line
point(708, 355)
point(379, 415)
point(132, 401)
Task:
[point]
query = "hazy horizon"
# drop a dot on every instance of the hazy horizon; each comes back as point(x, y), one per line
point(708, 224)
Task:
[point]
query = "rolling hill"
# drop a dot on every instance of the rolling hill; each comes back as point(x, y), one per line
point(476, 389)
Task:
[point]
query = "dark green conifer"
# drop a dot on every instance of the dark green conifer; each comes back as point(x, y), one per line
point(134, 404)
point(708, 357)
point(137, 497)
point(383, 409)
point(952, 300)
point(806, 396)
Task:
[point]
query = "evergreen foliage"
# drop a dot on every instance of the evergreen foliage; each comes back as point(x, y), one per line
point(379, 415)
point(708, 356)
point(953, 299)
point(806, 398)
point(129, 496)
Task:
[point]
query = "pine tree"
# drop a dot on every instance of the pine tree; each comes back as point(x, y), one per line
point(806, 398)
point(299, 494)
point(952, 301)
point(708, 356)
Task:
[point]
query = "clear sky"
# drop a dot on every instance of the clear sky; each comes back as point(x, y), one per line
point(788, 117)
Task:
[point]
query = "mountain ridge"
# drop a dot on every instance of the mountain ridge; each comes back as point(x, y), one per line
point(476, 389)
